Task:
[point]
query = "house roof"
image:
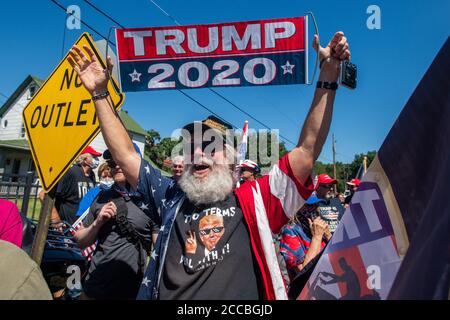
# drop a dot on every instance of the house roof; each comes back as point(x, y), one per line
point(15, 144)
point(130, 124)
point(164, 173)
point(18, 92)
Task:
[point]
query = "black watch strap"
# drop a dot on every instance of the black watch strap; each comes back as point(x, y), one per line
point(327, 85)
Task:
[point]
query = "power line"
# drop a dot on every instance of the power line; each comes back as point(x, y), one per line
point(248, 114)
point(4, 96)
point(188, 96)
point(103, 13)
point(83, 23)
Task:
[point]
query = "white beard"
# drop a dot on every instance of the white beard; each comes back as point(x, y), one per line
point(216, 187)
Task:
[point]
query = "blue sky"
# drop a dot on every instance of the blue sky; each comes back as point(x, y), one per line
point(391, 61)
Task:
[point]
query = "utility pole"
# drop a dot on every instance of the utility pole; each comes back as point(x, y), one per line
point(334, 162)
point(365, 164)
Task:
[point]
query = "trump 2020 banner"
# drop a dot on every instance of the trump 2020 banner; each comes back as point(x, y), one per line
point(254, 53)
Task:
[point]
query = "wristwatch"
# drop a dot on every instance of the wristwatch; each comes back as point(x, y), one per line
point(327, 85)
point(100, 96)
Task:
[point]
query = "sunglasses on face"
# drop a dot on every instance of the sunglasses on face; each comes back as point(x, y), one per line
point(111, 163)
point(326, 186)
point(205, 232)
point(211, 146)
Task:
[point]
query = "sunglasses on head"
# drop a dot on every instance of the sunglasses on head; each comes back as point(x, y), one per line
point(205, 232)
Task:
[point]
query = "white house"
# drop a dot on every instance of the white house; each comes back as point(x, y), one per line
point(15, 156)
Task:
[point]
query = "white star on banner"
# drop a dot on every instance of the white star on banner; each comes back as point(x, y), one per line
point(147, 169)
point(287, 68)
point(144, 206)
point(145, 281)
point(135, 76)
point(154, 254)
point(161, 229)
point(153, 191)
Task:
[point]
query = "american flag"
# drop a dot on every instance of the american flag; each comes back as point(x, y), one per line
point(242, 148)
point(241, 152)
point(87, 252)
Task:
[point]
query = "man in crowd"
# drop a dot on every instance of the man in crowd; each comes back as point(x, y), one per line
point(330, 208)
point(243, 264)
point(249, 170)
point(124, 233)
point(353, 186)
point(73, 186)
point(177, 167)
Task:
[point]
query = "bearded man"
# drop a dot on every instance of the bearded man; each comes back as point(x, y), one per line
point(243, 263)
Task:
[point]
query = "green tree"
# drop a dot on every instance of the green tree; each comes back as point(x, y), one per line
point(344, 171)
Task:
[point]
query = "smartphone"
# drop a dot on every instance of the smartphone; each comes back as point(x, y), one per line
point(348, 76)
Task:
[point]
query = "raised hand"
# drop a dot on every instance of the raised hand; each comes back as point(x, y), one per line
point(191, 243)
point(336, 51)
point(107, 212)
point(318, 227)
point(91, 73)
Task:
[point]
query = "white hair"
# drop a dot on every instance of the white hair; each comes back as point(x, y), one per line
point(216, 187)
point(81, 158)
point(177, 160)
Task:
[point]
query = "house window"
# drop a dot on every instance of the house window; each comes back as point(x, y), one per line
point(32, 91)
point(22, 131)
point(5, 123)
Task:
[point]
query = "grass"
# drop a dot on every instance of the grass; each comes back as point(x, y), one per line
point(33, 203)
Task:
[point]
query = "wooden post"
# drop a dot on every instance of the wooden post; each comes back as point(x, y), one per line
point(37, 249)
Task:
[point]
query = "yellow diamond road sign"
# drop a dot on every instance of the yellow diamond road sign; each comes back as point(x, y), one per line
point(60, 119)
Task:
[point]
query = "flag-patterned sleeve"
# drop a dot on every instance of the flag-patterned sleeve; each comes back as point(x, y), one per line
point(283, 193)
point(292, 247)
point(152, 186)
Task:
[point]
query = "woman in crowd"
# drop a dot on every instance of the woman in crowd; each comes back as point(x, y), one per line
point(106, 182)
point(302, 241)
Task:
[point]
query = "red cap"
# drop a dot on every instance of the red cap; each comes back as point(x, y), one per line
point(92, 151)
point(354, 182)
point(325, 179)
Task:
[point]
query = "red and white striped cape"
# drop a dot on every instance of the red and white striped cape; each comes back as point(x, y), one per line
point(267, 205)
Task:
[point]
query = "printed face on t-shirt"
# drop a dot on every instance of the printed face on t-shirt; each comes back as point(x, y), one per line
point(211, 229)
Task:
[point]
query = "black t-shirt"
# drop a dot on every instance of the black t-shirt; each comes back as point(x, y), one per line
point(210, 255)
point(331, 212)
point(72, 187)
point(117, 266)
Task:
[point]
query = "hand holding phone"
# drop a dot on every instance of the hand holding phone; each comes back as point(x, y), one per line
point(348, 74)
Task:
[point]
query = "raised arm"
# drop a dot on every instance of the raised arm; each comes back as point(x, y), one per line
point(317, 123)
point(95, 80)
